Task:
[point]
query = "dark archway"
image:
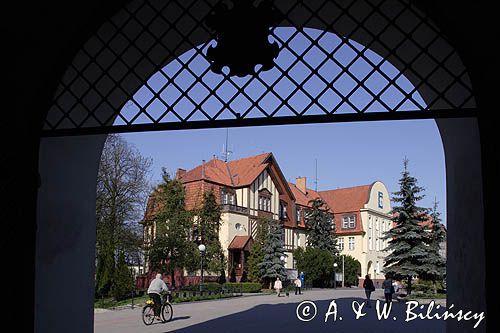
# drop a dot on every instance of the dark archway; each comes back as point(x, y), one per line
point(85, 151)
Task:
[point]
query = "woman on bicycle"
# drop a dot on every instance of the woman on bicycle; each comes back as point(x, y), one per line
point(156, 287)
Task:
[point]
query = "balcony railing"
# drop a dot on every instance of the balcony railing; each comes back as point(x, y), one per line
point(234, 209)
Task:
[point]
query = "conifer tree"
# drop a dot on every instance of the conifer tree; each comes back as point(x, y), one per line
point(123, 279)
point(172, 249)
point(105, 271)
point(257, 252)
point(272, 266)
point(209, 222)
point(407, 240)
point(436, 262)
point(321, 232)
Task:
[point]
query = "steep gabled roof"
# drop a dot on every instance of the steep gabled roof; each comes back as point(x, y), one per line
point(214, 170)
point(236, 173)
point(245, 170)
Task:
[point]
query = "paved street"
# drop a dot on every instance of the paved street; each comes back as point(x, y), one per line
point(268, 313)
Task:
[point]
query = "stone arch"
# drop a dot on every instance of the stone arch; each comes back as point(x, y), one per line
point(66, 235)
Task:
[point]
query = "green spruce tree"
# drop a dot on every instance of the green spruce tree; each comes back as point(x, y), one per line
point(434, 260)
point(257, 252)
point(208, 224)
point(407, 240)
point(321, 228)
point(172, 249)
point(272, 266)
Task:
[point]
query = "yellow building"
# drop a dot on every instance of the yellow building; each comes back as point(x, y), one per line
point(361, 217)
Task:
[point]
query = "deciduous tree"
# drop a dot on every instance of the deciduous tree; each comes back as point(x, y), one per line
point(122, 190)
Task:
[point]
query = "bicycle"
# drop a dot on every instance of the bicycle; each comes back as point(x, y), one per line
point(166, 310)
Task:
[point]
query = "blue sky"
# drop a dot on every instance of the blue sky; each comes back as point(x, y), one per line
point(348, 154)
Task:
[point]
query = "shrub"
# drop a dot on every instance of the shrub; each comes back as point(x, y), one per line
point(246, 287)
point(423, 287)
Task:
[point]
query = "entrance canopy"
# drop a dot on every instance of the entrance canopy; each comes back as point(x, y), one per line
point(242, 243)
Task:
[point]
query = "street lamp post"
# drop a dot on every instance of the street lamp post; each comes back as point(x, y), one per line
point(343, 271)
point(335, 275)
point(282, 258)
point(202, 249)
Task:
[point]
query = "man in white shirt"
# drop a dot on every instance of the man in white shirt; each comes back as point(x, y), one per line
point(156, 287)
point(298, 285)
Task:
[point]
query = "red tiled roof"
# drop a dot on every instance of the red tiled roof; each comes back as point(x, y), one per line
point(345, 200)
point(302, 198)
point(236, 173)
point(245, 170)
point(239, 242)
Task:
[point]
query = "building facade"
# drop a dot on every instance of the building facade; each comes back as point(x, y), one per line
point(253, 189)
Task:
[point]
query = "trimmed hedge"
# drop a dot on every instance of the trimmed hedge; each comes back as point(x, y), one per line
point(246, 287)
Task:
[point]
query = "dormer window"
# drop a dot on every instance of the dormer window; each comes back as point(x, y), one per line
point(228, 197)
point(349, 222)
point(265, 200)
point(264, 203)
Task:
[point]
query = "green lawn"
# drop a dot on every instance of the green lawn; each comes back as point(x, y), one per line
point(413, 297)
point(108, 303)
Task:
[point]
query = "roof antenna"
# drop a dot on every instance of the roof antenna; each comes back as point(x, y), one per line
point(316, 176)
point(225, 150)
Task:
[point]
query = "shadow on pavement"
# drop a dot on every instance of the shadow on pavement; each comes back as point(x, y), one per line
point(173, 319)
point(283, 318)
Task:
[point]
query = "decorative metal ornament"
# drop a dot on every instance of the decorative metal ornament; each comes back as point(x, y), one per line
point(242, 35)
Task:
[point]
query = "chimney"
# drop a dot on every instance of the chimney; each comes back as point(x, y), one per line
point(179, 173)
point(300, 183)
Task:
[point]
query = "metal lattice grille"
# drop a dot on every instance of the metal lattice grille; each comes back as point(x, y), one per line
point(146, 68)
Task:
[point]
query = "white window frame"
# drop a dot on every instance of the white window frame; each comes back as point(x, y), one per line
point(349, 222)
point(341, 244)
point(352, 243)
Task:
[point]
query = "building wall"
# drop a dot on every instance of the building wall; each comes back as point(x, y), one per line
point(228, 228)
point(376, 220)
point(359, 251)
point(263, 181)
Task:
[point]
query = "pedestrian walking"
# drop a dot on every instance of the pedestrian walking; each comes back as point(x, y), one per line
point(369, 288)
point(298, 286)
point(278, 286)
point(388, 288)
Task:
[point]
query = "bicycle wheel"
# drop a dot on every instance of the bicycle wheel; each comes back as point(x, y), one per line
point(148, 314)
point(167, 312)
